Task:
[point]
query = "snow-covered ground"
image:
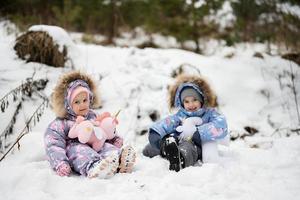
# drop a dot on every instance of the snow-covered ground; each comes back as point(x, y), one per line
point(251, 91)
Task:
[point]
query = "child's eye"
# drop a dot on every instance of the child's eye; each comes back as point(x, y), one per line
point(195, 99)
point(84, 100)
point(76, 102)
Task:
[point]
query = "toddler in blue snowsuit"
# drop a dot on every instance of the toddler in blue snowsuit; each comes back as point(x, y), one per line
point(181, 142)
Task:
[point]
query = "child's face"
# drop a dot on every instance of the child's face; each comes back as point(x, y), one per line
point(191, 104)
point(80, 104)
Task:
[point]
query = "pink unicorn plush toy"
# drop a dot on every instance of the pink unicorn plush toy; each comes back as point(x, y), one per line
point(94, 133)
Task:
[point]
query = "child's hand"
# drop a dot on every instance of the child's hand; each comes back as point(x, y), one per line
point(118, 142)
point(64, 170)
point(79, 119)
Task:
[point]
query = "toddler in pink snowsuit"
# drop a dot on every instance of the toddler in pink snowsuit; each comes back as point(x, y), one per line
point(74, 96)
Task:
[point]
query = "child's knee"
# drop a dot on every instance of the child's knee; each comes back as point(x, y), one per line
point(189, 153)
point(154, 139)
point(150, 151)
point(197, 139)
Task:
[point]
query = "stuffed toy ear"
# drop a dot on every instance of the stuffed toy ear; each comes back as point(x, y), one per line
point(102, 116)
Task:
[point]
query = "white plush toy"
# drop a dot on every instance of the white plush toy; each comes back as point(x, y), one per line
point(188, 128)
point(210, 152)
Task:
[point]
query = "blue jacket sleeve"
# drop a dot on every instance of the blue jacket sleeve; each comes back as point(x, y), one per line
point(166, 126)
point(215, 128)
point(55, 143)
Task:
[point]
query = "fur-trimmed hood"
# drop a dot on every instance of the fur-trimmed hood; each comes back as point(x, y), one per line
point(58, 96)
point(201, 85)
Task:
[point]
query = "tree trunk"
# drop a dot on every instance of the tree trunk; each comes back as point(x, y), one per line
point(112, 28)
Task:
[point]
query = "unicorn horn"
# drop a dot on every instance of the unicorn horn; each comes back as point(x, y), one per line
point(116, 115)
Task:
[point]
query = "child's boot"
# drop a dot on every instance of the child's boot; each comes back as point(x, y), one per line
point(104, 168)
point(172, 153)
point(127, 160)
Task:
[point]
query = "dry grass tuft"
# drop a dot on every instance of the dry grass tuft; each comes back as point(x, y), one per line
point(38, 46)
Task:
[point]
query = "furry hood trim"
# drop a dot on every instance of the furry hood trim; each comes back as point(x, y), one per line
point(208, 94)
point(58, 96)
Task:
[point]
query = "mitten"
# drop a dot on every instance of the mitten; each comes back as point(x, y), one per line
point(64, 170)
point(118, 142)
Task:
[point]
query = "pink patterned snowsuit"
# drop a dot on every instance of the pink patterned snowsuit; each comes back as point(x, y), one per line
point(61, 149)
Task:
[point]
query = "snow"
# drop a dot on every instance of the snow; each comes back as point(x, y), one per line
point(225, 17)
point(251, 92)
point(60, 37)
point(289, 9)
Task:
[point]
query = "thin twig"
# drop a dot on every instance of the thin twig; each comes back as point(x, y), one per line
point(14, 91)
point(293, 82)
point(27, 127)
point(9, 127)
point(16, 142)
point(294, 92)
point(20, 88)
point(295, 130)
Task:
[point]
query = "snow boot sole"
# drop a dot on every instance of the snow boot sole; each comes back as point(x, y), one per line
point(173, 154)
point(105, 168)
point(127, 160)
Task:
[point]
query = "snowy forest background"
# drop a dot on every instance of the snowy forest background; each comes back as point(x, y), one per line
point(247, 50)
point(186, 24)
